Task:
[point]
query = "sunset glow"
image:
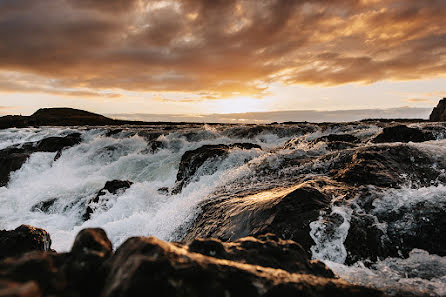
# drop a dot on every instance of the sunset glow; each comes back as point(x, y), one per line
point(196, 56)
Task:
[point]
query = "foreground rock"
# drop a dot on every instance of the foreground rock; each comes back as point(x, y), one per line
point(266, 266)
point(23, 239)
point(192, 160)
point(112, 187)
point(12, 158)
point(402, 133)
point(439, 112)
point(287, 212)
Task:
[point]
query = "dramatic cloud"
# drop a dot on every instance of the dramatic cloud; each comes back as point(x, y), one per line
point(218, 48)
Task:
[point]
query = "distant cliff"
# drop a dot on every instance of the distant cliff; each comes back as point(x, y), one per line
point(439, 112)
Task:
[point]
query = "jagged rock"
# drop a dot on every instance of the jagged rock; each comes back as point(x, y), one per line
point(191, 161)
point(12, 158)
point(83, 266)
point(113, 132)
point(387, 166)
point(402, 133)
point(439, 113)
point(113, 187)
point(266, 250)
point(285, 212)
point(44, 206)
point(23, 239)
point(147, 264)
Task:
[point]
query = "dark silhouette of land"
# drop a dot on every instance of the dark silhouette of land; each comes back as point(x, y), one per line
point(66, 117)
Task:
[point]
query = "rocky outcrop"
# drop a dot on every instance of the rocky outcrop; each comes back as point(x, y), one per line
point(23, 239)
point(264, 266)
point(402, 133)
point(112, 187)
point(192, 160)
point(386, 166)
point(333, 141)
point(286, 212)
point(147, 264)
point(81, 272)
point(439, 113)
point(12, 158)
point(265, 250)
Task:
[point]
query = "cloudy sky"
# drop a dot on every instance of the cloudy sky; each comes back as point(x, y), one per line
point(221, 56)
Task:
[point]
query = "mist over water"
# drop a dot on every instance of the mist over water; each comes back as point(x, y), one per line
point(142, 210)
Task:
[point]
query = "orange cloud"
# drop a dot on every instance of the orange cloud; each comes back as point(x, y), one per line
point(218, 47)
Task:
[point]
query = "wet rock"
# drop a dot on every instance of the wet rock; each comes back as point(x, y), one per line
point(439, 113)
point(112, 132)
point(15, 289)
point(37, 268)
point(44, 206)
point(402, 133)
point(84, 265)
point(147, 264)
point(365, 240)
point(23, 239)
point(55, 144)
point(266, 250)
point(285, 212)
point(112, 187)
point(387, 166)
point(12, 158)
point(192, 160)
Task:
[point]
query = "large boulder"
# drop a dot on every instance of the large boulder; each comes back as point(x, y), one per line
point(387, 166)
point(12, 158)
point(286, 212)
point(23, 239)
point(439, 113)
point(84, 265)
point(112, 187)
point(402, 133)
point(146, 264)
point(81, 272)
point(265, 250)
point(192, 160)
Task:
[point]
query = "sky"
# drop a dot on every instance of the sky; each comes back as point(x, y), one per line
point(195, 57)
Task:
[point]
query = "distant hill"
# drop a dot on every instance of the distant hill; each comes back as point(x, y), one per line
point(64, 116)
point(55, 117)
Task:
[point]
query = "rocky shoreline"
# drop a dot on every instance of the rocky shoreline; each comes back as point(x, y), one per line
point(316, 194)
point(142, 266)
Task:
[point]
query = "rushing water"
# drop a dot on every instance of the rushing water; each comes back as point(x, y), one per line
point(83, 169)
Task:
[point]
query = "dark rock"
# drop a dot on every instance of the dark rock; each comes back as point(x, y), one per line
point(113, 187)
point(55, 144)
point(23, 239)
point(143, 265)
point(365, 240)
point(113, 132)
point(266, 250)
point(164, 190)
point(84, 265)
point(402, 133)
point(287, 213)
point(12, 158)
point(44, 206)
point(36, 267)
point(15, 289)
point(439, 113)
point(192, 160)
point(387, 166)
point(339, 137)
